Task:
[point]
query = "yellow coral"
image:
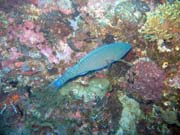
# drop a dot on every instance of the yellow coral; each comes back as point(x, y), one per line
point(163, 23)
point(31, 11)
point(165, 65)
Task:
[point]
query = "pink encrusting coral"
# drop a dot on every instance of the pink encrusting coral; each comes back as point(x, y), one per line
point(64, 6)
point(14, 54)
point(145, 80)
point(12, 31)
point(48, 52)
point(64, 51)
point(31, 36)
point(99, 9)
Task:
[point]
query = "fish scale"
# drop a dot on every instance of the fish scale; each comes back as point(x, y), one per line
point(97, 59)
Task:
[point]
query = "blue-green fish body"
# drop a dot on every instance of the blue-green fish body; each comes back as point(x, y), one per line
point(95, 60)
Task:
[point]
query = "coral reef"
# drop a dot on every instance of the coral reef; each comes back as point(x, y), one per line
point(145, 79)
point(41, 39)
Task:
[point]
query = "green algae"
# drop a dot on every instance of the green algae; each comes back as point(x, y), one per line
point(131, 113)
point(96, 88)
point(169, 116)
point(163, 23)
point(132, 12)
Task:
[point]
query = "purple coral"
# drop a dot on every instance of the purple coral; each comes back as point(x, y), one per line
point(145, 80)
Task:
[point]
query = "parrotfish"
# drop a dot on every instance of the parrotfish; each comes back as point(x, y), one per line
point(95, 60)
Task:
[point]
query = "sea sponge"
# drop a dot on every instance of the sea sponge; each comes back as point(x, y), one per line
point(145, 81)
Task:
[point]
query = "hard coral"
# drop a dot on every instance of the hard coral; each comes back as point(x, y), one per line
point(145, 80)
point(163, 23)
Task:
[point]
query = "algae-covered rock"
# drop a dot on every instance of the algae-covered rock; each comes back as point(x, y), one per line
point(97, 87)
point(131, 113)
point(133, 12)
point(169, 116)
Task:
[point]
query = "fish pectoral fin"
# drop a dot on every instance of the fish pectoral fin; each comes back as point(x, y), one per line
point(128, 63)
point(109, 63)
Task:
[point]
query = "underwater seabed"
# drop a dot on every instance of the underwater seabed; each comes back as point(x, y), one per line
point(89, 67)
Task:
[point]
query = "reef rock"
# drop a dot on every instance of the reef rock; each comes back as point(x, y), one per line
point(131, 113)
point(133, 12)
